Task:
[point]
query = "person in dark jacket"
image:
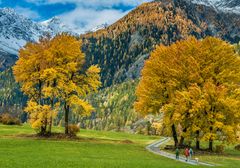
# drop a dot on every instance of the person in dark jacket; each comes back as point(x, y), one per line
point(177, 153)
point(190, 153)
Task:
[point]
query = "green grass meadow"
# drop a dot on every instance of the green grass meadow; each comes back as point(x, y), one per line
point(95, 149)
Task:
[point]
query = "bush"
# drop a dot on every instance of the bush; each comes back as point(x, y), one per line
point(237, 147)
point(73, 129)
point(220, 148)
point(7, 119)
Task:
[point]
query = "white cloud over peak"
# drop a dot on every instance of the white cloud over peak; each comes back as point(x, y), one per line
point(92, 3)
point(91, 13)
point(84, 19)
point(27, 12)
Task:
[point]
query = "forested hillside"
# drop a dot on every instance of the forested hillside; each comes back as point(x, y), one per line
point(113, 108)
point(12, 99)
point(121, 49)
point(114, 111)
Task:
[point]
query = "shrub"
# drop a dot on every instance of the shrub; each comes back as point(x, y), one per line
point(7, 119)
point(220, 148)
point(237, 147)
point(73, 129)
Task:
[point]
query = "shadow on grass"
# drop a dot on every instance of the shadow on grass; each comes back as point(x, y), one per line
point(64, 137)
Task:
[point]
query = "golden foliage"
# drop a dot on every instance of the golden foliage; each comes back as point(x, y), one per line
point(40, 115)
point(195, 83)
point(161, 14)
point(51, 72)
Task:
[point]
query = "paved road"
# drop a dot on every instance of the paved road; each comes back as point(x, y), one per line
point(154, 148)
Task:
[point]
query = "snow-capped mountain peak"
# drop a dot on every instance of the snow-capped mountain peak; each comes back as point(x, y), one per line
point(55, 26)
point(8, 10)
point(230, 6)
point(54, 20)
point(16, 30)
point(99, 27)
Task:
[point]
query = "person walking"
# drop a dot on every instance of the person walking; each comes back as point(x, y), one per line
point(190, 153)
point(186, 152)
point(177, 153)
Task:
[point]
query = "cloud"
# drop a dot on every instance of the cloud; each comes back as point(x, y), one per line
point(84, 19)
point(91, 13)
point(100, 3)
point(92, 3)
point(27, 12)
point(36, 1)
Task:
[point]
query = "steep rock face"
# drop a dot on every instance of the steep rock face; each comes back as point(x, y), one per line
point(121, 48)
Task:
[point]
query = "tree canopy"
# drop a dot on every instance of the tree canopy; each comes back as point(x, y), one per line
point(52, 73)
point(195, 84)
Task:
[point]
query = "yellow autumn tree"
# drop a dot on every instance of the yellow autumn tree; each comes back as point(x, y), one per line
point(68, 78)
point(27, 71)
point(53, 73)
point(40, 114)
point(195, 84)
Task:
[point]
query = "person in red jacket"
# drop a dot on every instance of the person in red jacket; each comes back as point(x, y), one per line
point(186, 153)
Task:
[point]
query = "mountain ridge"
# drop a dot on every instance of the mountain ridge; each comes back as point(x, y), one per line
point(119, 47)
point(229, 6)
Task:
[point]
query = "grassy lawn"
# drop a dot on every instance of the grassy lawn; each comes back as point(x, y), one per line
point(105, 151)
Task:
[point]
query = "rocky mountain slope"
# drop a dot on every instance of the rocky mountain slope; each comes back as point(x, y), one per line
point(16, 30)
point(229, 6)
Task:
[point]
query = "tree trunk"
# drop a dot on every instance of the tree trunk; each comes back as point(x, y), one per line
point(197, 140)
point(181, 143)
point(40, 102)
point(50, 125)
point(45, 124)
point(40, 92)
point(174, 134)
point(210, 145)
point(42, 132)
point(51, 118)
point(66, 108)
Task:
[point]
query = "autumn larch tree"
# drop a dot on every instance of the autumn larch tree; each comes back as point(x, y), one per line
point(195, 84)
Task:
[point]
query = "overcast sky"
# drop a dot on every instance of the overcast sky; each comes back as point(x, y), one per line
point(80, 14)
